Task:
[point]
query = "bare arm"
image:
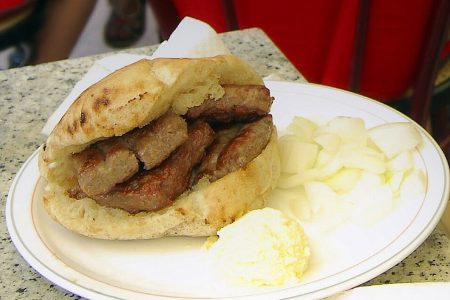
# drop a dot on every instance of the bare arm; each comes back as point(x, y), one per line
point(64, 20)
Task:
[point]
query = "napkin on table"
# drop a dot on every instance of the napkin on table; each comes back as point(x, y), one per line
point(192, 38)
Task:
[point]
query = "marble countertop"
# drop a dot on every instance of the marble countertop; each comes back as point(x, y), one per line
point(30, 94)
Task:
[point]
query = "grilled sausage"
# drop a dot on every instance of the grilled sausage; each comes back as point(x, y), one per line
point(233, 152)
point(209, 163)
point(112, 161)
point(239, 103)
point(102, 166)
point(155, 189)
point(154, 143)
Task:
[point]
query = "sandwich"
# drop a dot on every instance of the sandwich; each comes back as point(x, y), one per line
point(163, 147)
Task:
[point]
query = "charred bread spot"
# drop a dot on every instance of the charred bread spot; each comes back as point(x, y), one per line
point(100, 102)
point(181, 211)
point(69, 129)
point(133, 99)
point(82, 118)
point(75, 125)
point(139, 97)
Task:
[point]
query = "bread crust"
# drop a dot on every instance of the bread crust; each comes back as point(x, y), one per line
point(133, 97)
point(140, 93)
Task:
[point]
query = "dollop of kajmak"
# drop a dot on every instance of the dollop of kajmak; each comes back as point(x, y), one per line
point(262, 248)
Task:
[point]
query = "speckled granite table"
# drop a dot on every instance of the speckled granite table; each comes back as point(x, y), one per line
point(29, 95)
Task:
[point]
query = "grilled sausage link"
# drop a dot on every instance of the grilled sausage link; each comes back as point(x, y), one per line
point(239, 103)
point(209, 164)
point(107, 163)
point(157, 188)
point(100, 167)
point(235, 150)
point(153, 143)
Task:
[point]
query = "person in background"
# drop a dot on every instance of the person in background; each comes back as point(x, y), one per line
point(39, 31)
point(126, 23)
point(63, 22)
point(19, 22)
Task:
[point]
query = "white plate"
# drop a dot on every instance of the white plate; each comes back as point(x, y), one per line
point(177, 268)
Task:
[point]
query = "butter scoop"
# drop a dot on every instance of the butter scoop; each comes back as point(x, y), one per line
point(262, 248)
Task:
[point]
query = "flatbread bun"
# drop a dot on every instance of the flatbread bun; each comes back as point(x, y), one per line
point(133, 97)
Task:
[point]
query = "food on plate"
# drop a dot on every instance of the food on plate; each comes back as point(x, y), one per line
point(262, 248)
point(163, 147)
point(341, 171)
point(395, 138)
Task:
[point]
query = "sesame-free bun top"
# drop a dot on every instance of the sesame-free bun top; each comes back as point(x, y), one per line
point(132, 97)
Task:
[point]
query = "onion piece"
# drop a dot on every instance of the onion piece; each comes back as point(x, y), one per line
point(394, 138)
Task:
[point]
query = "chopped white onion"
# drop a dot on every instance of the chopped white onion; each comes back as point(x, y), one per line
point(342, 171)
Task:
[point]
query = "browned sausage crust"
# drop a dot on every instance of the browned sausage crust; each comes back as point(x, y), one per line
point(115, 160)
point(155, 189)
point(108, 171)
point(209, 163)
point(104, 165)
point(154, 143)
point(239, 103)
point(235, 148)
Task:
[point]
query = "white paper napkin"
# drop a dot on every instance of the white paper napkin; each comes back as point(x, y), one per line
point(192, 38)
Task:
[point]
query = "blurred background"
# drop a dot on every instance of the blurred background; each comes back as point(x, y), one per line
point(396, 52)
point(16, 49)
point(91, 40)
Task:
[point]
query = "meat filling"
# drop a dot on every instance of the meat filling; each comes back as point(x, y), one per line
point(104, 165)
point(235, 148)
point(209, 163)
point(148, 168)
point(154, 143)
point(107, 163)
point(239, 103)
point(155, 189)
